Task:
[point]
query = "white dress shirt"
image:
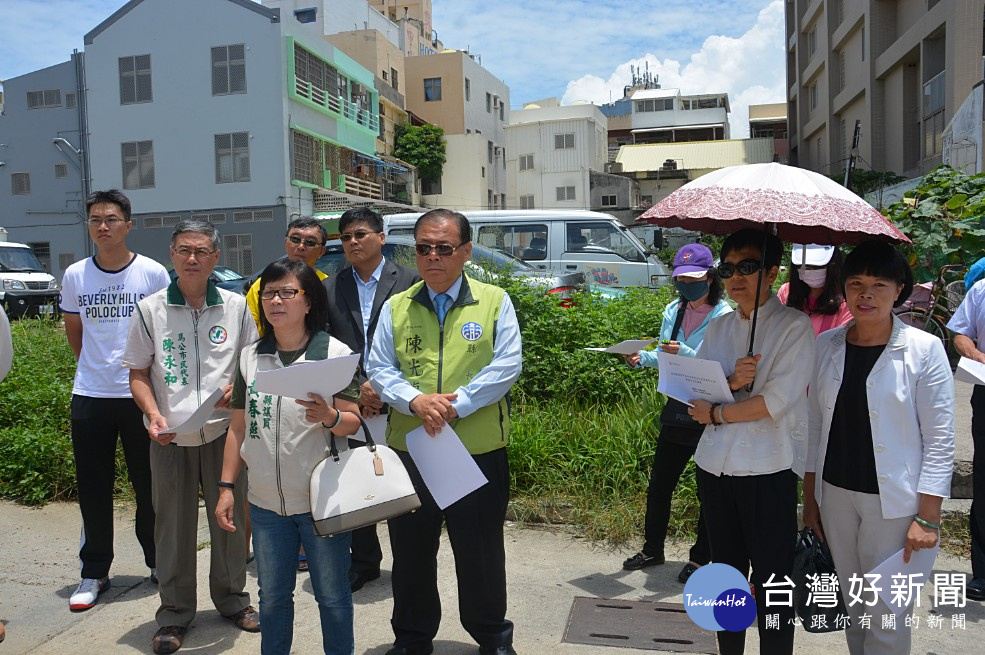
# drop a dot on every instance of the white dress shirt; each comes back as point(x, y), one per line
point(490, 384)
point(785, 340)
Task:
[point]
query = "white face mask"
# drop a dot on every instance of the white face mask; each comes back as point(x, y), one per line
point(815, 279)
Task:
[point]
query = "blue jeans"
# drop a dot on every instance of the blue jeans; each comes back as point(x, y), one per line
point(275, 544)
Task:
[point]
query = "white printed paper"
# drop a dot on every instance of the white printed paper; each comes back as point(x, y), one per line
point(688, 378)
point(894, 581)
point(192, 423)
point(325, 377)
point(377, 428)
point(970, 371)
point(448, 469)
point(627, 347)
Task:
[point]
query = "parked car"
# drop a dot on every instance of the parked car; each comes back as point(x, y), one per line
point(224, 278)
point(483, 265)
point(26, 288)
point(579, 241)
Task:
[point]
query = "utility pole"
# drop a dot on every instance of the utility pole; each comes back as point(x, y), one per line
point(853, 153)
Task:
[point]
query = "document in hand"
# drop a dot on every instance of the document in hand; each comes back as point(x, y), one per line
point(687, 379)
point(184, 423)
point(898, 583)
point(627, 347)
point(325, 377)
point(970, 371)
point(448, 469)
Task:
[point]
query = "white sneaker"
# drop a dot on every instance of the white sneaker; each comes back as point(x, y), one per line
point(87, 594)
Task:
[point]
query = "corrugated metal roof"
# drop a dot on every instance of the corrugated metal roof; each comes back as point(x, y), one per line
point(642, 94)
point(696, 154)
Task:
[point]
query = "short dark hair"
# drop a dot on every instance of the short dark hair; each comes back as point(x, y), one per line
point(111, 197)
point(305, 223)
point(750, 238)
point(361, 215)
point(882, 260)
point(314, 293)
point(196, 225)
point(464, 229)
point(829, 302)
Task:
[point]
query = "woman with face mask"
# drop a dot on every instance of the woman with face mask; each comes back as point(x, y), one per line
point(683, 327)
point(815, 286)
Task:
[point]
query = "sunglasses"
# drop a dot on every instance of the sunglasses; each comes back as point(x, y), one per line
point(358, 235)
point(443, 249)
point(308, 243)
point(745, 267)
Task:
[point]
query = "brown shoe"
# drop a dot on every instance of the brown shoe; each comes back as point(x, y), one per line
point(247, 619)
point(168, 639)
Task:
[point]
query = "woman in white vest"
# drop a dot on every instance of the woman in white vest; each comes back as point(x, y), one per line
point(281, 440)
point(880, 442)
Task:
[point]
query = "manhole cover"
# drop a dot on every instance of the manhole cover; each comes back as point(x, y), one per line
point(636, 624)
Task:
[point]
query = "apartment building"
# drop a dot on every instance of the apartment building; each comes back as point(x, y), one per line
point(41, 165)
point(451, 89)
point(556, 160)
point(417, 34)
point(233, 113)
point(902, 68)
point(770, 121)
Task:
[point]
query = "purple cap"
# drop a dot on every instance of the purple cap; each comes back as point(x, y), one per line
point(693, 259)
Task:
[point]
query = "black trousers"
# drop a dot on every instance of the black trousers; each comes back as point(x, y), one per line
point(669, 459)
point(366, 551)
point(753, 520)
point(475, 529)
point(96, 425)
point(976, 521)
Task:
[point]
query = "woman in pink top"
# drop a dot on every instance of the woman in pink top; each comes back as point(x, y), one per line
point(815, 286)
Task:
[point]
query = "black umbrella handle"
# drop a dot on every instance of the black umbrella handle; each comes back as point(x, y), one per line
point(755, 311)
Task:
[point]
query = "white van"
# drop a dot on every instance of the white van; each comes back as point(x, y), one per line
point(583, 241)
point(25, 287)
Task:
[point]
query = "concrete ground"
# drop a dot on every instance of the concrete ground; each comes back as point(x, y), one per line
point(546, 569)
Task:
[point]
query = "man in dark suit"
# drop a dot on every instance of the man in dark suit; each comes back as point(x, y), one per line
point(355, 295)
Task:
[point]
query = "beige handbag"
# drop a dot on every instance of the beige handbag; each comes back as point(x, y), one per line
point(359, 487)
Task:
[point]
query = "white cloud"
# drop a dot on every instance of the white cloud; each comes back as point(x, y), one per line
point(750, 68)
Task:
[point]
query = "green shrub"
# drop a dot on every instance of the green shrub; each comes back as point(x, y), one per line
point(36, 461)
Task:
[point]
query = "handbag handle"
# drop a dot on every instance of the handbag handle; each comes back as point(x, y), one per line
point(331, 441)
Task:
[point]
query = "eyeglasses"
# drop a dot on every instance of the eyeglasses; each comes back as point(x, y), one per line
point(110, 222)
point(358, 235)
point(745, 267)
point(283, 294)
point(443, 249)
point(200, 253)
point(308, 243)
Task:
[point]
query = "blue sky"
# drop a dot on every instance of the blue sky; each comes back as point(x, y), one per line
point(573, 49)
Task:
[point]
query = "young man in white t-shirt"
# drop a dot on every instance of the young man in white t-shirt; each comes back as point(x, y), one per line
point(98, 297)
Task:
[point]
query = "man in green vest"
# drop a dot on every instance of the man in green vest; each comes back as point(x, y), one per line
point(447, 351)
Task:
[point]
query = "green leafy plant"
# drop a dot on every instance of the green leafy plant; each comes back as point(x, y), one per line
point(422, 146)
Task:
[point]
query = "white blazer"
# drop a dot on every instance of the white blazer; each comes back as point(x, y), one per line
point(910, 395)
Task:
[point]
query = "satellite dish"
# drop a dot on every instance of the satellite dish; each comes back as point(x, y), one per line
point(531, 105)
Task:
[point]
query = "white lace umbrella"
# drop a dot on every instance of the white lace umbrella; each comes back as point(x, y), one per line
point(803, 206)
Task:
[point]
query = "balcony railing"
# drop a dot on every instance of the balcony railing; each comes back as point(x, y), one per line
point(933, 94)
point(357, 186)
point(337, 105)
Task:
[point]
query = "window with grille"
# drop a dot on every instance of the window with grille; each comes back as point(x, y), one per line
point(564, 141)
point(151, 222)
point(489, 151)
point(171, 220)
point(490, 199)
point(61, 171)
point(138, 164)
point(232, 157)
point(565, 193)
point(502, 109)
point(609, 201)
point(432, 89)
point(237, 252)
point(841, 70)
point(135, 79)
point(527, 202)
point(65, 259)
point(813, 95)
point(394, 81)
point(468, 89)
point(216, 218)
point(488, 103)
point(43, 252)
point(812, 41)
point(657, 104)
point(70, 101)
point(228, 69)
point(502, 201)
point(526, 162)
point(259, 216)
point(431, 187)
point(20, 184)
point(311, 69)
point(44, 99)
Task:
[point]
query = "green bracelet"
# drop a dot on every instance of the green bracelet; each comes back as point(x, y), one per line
point(927, 524)
point(338, 419)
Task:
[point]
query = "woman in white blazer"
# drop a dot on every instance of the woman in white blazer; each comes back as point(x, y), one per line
point(880, 439)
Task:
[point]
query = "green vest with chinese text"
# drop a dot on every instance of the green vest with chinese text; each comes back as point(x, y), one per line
point(436, 360)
